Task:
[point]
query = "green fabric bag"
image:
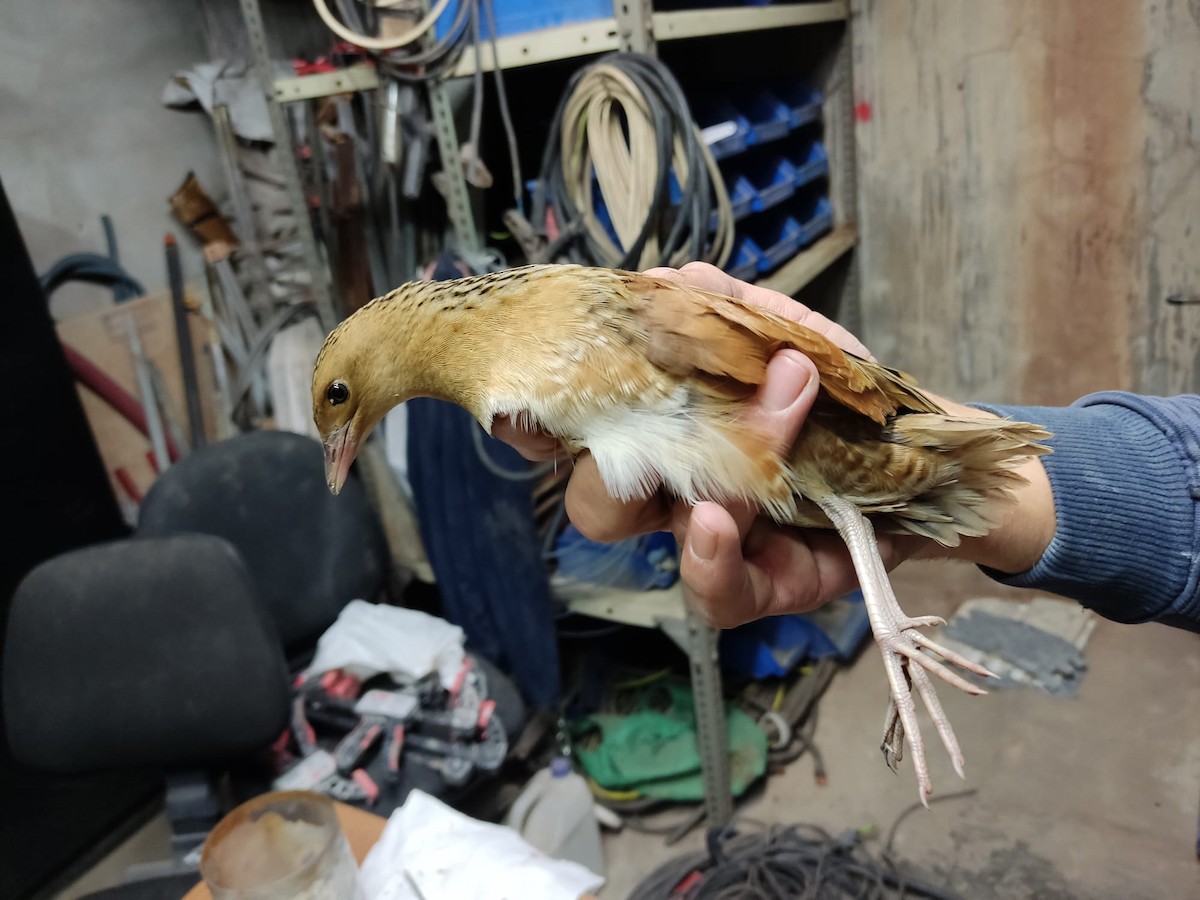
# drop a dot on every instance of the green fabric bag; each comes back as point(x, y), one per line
point(653, 749)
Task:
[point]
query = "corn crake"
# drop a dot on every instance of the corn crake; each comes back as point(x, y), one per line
point(650, 375)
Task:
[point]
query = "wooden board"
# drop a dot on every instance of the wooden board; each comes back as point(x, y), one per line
point(102, 338)
point(1029, 184)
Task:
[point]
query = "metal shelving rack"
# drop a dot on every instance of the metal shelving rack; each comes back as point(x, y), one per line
point(635, 26)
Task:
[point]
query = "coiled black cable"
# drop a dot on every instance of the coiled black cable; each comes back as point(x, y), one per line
point(670, 233)
point(778, 862)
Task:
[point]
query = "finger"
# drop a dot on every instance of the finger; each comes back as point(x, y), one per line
point(600, 517)
point(709, 278)
point(784, 399)
point(773, 571)
point(778, 411)
point(533, 445)
point(724, 589)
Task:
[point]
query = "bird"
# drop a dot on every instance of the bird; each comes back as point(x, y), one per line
point(649, 375)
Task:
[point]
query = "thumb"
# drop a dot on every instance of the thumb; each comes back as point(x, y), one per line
point(777, 412)
point(784, 399)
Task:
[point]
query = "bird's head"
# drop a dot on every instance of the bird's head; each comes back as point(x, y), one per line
point(354, 385)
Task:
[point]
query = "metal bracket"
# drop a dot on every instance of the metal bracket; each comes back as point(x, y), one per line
point(711, 731)
point(265, 68)
point(453, 184)
point(699, 642)
point(635, 26)
point(323, 84)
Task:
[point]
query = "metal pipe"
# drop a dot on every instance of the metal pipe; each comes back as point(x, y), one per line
point(187, 353)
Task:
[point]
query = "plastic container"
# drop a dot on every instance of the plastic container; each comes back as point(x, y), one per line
point(280, 844)
point(803, 102)
point(743, 262)
point(676, 5)
point(643, 563)
point(769, 117)
point(780, 236)
point(554, 813)
point(523, 16)
point(814, 216)
point(722, 127)
point(773, 179)
point(741, 197)
point(772, 647)
point(809, 162)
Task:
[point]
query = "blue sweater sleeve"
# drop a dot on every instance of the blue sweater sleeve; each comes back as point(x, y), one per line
point(1125, 472)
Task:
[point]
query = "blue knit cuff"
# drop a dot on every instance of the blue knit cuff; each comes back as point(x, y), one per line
point(1126, 481)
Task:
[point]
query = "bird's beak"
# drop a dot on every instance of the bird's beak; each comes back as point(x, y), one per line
point(339, 453)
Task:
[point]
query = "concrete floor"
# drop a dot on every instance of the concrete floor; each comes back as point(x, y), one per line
point(1095, 796)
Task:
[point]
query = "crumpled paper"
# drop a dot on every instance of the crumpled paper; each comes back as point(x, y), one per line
point(372, 638)
point(233, 84)
point(447, 854)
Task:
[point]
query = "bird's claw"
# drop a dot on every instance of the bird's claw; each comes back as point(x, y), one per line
point(901, 649)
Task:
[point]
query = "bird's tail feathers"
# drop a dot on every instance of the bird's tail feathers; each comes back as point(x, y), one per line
point(987, 454)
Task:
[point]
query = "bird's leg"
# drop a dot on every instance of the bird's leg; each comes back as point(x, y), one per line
point(901, 646)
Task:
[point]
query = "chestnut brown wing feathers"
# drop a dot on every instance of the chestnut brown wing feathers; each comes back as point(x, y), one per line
point(695, 333)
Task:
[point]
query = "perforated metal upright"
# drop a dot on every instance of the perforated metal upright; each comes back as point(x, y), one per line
point(264, 67)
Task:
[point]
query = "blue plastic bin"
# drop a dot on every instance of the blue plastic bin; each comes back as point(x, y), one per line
point(774, 646)
point(773, 179)
point(743, 262)
point(722, 127)
point(742, 196)
point(674, 5)
point(809, 162)
point(779, 235)
point(815, 217)
point(803, 102)
point(522, 16)
point(768, 116)
point(643, 563)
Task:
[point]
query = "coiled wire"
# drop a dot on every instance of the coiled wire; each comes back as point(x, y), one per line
point(624, 127)
point(778, 862)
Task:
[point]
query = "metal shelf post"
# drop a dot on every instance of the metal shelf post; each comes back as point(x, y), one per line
point(264, 67)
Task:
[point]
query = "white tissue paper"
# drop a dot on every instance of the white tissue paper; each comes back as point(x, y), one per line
point(447, 854)
point(370, 638)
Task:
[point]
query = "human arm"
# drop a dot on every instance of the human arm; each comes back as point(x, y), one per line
point(1131, 565)
point(1125, 483)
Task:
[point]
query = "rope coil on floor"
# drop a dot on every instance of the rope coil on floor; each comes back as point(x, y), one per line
point(624, 130)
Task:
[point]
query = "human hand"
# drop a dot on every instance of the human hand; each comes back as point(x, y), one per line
point(738, 565)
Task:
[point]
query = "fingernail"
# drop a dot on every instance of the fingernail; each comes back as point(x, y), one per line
point(704, 542)
point(786, 380)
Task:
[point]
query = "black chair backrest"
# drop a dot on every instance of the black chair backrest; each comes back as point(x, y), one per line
point(265, 493)
point(143, 651)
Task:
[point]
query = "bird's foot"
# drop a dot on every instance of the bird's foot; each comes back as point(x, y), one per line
point(906, 650)
point(908, 665)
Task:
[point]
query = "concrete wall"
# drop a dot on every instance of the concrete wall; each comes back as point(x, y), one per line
point(83, 130)
point(1029, 187)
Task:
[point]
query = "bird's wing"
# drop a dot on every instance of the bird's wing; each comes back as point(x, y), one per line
point(725, 344)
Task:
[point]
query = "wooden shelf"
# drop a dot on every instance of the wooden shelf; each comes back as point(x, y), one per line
point(323, 84)
point(547, 45)
point(581, 39)
point(517, 50)
point(811, 262)
point(692, 23)
point(643, 609)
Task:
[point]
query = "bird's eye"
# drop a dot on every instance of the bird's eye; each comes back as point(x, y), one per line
point(337, 393)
